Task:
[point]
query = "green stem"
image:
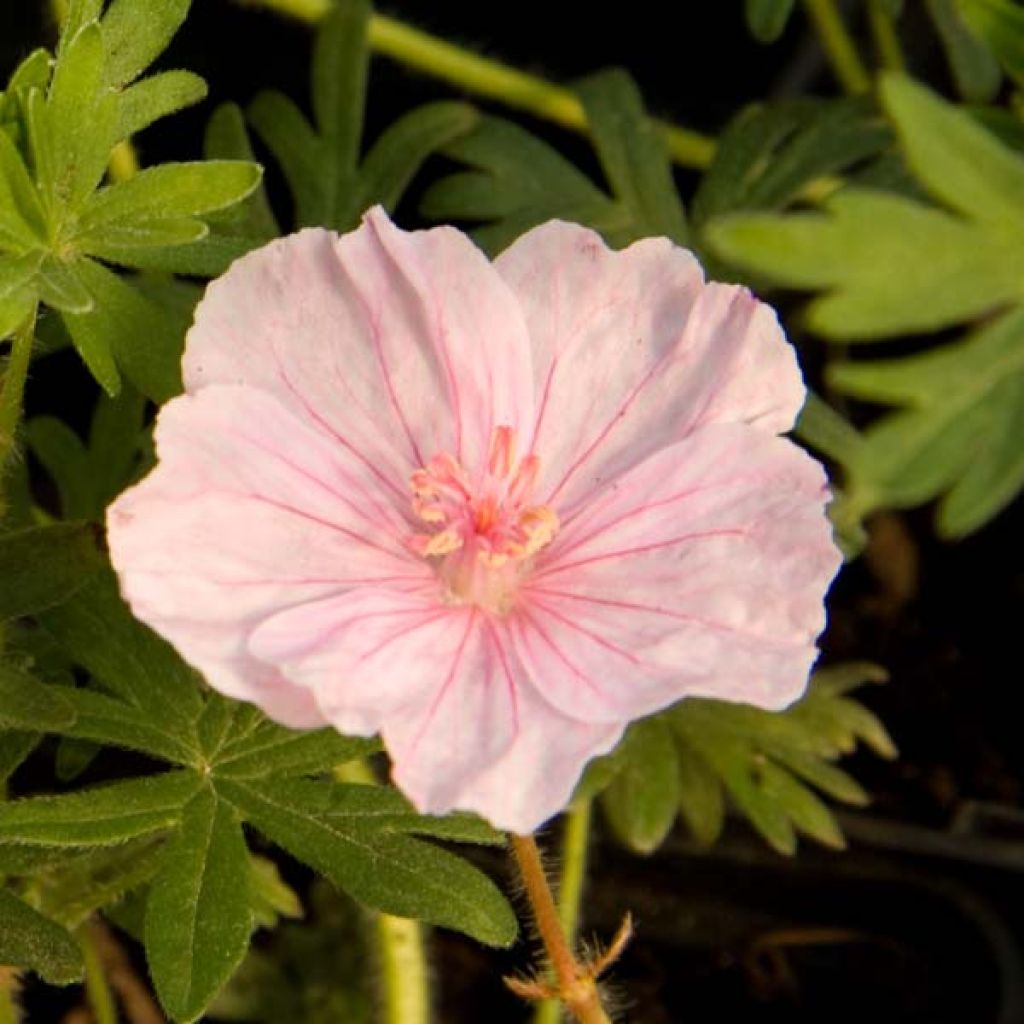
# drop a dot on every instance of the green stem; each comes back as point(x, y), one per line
point(12, 387)
point(404, 978)
point(400, 944)
point(97, 988)
point(575, 840)
point(489, 78)
point(887, 41)
point(838, 46)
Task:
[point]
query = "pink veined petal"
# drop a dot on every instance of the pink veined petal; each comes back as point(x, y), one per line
point(248, 511)
point(395, 345)
point(632, 351)
point(432, 678)
point(536, 776)
point(699, 573)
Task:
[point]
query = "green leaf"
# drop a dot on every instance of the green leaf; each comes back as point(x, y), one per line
point(73, 888)
point(643, 799)
point(271, 749)
point(393, 872)
point(767, 19)
point(89, 477)
point(22, 220)
point(272, 897)
point(959, 432)
point(146, 340)
point(81, 120)
point(15, 309)
point(972, 62)
point(321, 162)
point(26, 703)
point(199, 912)
point(404, 146)
point(701, 800)
point(340, 64)
point(227, 139)
point(14, 748)
point(136, 32)
point(101, 815)
point(79, 14)
point(949, 268)
point(156, 97)
point(517, 182)
point(1001, 24)
point(61, 287)
point(114, 723)
point(44, 565)
point(633, 155)
point(295, 146)
point(770, 152)
point(958, 161)
point(29, 940)
point(170, 191)
point(98, 632)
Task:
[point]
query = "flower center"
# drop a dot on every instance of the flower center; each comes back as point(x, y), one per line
point(484, 534)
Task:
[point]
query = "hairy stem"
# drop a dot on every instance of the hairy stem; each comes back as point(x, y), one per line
point(575, 840)
point(12, 386)
point(489, 78)
point(838, 46)
point(887, 41)
point(577, 988)
point(399, 943)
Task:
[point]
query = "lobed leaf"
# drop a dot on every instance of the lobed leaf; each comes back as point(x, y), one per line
point(136, 32)
point(26, 703)
point(393, 872)
point(156, 97)
point(98, 632)
point(199, 912)
point(32, 941)
point(101, 815)
point(44, 565)
point(767, 19)
point(642, 801)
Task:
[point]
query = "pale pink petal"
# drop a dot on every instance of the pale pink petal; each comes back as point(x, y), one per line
point(247, 512)
point(536, 776)
point(433, 678)
point(395, 345)
point(632, 352)
point(699, 573)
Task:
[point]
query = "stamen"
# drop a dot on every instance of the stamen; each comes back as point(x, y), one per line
point(487, 532)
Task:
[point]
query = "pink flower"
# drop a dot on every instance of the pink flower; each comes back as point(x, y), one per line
point(493, 511)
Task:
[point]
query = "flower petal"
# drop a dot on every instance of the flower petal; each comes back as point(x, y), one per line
point(396, 345)
point(536, 776)
point(433, 678)
point(699, 573)
point(632, 352)
point(249, 511)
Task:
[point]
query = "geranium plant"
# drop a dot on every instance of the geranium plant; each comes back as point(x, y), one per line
point(403, 525)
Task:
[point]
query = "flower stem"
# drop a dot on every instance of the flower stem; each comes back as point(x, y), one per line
point(838, 46)
point(400, 944)
point(887, 42)
point(575, 840)
point(12, 386)
point(577, 987)
point(403, 968)
point(489, 78)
